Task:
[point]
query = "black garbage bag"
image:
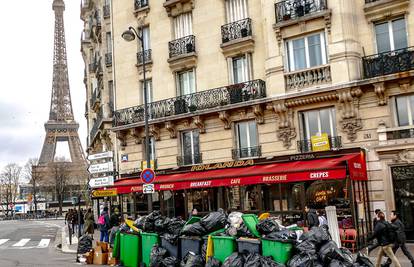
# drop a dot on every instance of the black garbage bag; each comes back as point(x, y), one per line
point(212, 262)
point(175, 226)
point(317, 235)
point(85, 244)
point(243, 231)
point(302, 260)
point(173, 239)
point(170, 262)
point(347, 257)
point(336, 263)
point(267, 226)
point(252, 260)
point(234, 260)
point(139, 223)
point(306, 247)
point(204, 250)
point(329, 252)
point(157, 256)
point(149, 224)
point(231, 231)
point(269, 262)
point(159, 225)
point(363, 261)
point(194, 229)
point(192, 260)
point(283, 235)
point(214, 221)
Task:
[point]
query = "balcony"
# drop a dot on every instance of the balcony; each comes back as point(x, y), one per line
point(308, 77)
point(294, 9)
point(106, 11)
point(304, 146)
point(188, 160)
point(400, 134)
point(139, 4)
point(145, 55)
point(182, 46)
point(388, 63)
point(96, 98)
point(201, 101)
point(247, 152)
point(108, 59)
point(236, 30)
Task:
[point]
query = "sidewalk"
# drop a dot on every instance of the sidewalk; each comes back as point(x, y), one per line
point(72, 248)
point(400, 255)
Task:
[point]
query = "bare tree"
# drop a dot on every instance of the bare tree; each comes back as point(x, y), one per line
point(33, 177)
point(60, 169)
point(9, 179)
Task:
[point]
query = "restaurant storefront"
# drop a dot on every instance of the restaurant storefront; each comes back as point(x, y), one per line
point(279, 185)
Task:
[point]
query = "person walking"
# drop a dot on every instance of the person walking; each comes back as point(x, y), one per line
point(82, 220)
point(104, 225)
point(311, 217)
point(322, 218)
point(74, 221)
point(401, 238)
point(89, 223)
point(384, 232)
point(115, 221)
point(374, 244)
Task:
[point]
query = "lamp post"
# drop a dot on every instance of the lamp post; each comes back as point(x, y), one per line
point(130, 35)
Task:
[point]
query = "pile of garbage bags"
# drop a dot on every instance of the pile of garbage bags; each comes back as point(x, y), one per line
point(245, 260)
point(212, 222)
point(160, 258)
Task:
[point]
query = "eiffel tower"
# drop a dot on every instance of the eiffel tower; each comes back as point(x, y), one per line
point(61, 126)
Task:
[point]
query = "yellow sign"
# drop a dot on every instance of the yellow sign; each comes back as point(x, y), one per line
point(104, 193)
point(144, 164)
point(320, 143)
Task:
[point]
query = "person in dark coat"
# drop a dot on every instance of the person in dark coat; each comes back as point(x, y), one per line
point(374, 244)
point(115, 221)
point(401, 238)
point(383, 233)
point(89, 223)
point(312, 217)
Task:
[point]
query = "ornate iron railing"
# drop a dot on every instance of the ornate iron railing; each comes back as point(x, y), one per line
point(389, 62)
point(108, 59)
point(293, 9)
point(308, 77)
point(96, 97)
point(96, 125)
point(140, 4)
point(147, 56)
point(246, 152)
point(182, 46)
point(236, 30)
point(191, 159)
point(106, 11)
point(208, 99)
point(335, 143)
point(400, 134)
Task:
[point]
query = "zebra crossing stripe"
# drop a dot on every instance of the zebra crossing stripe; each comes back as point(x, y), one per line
point(22, 242)
point(44, 243)
point(2, 241)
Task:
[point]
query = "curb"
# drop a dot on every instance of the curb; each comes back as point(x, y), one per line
point(65, 247)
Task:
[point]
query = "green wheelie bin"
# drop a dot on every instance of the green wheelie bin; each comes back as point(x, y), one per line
point(148, 241)
point(130, 254)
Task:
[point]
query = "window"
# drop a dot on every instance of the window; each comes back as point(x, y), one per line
point(108, 42)
point(152, 149)
point(319, 121)
point(236, 10)
point(186, 82)
point(146, 37)
point(306, 52)
point(111, 96)
point(94, 84)
point(246, 133)
point(183, 25)
point(190, 147)
point(240, 69)
point(405, 110)
point(391, 35)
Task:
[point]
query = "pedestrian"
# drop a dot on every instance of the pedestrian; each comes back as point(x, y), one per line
point(385, 233)
point(104, 225)
point(75, 221)
point(374, 244)
point(89, 223)
point(401, 238)
point(311, 217)
point(82, 220)
point(194, 212)
point(321, 218)
point(115, 222)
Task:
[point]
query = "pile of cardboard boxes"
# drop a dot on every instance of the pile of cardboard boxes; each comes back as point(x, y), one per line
point(101, 254)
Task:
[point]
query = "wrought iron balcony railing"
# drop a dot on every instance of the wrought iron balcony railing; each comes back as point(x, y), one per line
point(294, 9)
point(204, 100)
point(400, 134)
point(108, 59)
point(140, 4)
point(246, 152)
point(236, 30)
point(106, 11)
point(308, 77)
point(147, 56)
point(191, 159)
point(182, 46)
point(389, 62)
point(335, 143)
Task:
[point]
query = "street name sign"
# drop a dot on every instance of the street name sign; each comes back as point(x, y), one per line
point(103, 155)
point(101, 181)
point(101, 167)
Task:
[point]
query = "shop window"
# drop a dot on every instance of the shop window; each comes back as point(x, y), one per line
point(252, 198)
point(391, 35)
point(190, 147)
point(186, 82)
point(236, 10)
point(306, 52)
point(247, 143)
point(204, 200)
point(405, 110)
point(233, 198)
point(320, 194)
point(316, 122)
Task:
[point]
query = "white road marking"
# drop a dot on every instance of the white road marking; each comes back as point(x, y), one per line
point(2, 241)
point(22, 242)
point(44, 243)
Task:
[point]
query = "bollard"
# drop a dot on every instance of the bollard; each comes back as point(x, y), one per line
point(332, 219)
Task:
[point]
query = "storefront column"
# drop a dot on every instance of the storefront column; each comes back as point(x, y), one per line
point(186, 204)
point(220, 203)
point(161, 199)
point(260, 200)
point(332, 219)
point(243, 197)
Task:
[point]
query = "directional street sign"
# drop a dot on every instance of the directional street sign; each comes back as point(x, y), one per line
point(148, 189)
point(101, 181)
point(104, 155)
point(101, 167)
point(148, 176)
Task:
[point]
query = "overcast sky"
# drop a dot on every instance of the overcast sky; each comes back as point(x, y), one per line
point(26, 54)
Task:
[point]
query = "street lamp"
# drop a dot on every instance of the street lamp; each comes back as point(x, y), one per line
point(130, 35)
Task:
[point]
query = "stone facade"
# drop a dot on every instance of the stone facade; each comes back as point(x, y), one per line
point(364, 104)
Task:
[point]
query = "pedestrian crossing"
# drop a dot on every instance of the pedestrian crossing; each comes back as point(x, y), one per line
point(24, 243)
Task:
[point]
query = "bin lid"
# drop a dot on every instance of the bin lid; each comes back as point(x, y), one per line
point(223, 237)
point(249, 240)
point(251, 220)
point(193, 219)
point(149, 234)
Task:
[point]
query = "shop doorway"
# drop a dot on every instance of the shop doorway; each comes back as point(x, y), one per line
point(403, 180)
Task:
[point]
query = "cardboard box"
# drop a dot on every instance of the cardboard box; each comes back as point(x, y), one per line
point(100, 258)
point(103, 245)
point(113, 261)
point(89, 257)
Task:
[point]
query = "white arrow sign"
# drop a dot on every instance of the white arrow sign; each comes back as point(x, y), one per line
point(104, 155)
point(148, 188)
point(101, 167)
point(101, 181)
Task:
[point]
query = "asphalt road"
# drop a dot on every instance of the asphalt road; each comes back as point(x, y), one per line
point(32, 244)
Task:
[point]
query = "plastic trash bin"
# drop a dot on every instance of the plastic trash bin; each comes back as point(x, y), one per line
point(130, 250)
point(224, 246)
point(251, 220)
point(117, 245)
point(190, 243)
point(279, 251)
point(148, 241)
point(173, 249)
point(249, 245)
point(193, 219)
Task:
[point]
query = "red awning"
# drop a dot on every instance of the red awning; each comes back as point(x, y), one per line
point(295, 171)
